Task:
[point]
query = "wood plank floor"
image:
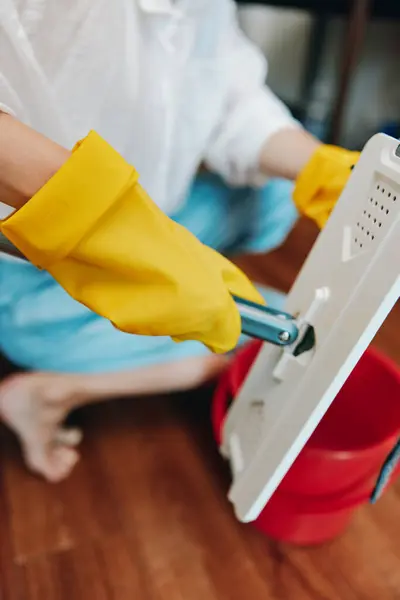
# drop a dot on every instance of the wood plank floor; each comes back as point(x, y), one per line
point(145, 514)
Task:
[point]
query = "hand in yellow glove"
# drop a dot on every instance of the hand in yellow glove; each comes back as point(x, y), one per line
point(94, 228)
point(321, 182)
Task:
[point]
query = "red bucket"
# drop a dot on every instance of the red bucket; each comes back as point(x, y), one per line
point(337, 469)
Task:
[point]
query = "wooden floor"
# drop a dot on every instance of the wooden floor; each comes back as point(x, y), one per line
point(145, 515)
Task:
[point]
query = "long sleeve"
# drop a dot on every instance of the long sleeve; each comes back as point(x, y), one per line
point(8, 99)
point(252, 113)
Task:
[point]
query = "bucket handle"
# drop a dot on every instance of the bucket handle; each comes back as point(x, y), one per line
point(390, 467)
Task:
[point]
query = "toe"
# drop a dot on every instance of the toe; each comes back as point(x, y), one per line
point(68, 436)
point(63, 461)
point(54, 464)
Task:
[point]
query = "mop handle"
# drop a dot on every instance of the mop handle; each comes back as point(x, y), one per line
point(266, 324)
point(8, 248)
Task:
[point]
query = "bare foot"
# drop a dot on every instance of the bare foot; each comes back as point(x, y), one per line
point(34, 406)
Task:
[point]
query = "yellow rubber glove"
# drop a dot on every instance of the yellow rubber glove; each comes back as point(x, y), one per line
point(321, 182)
point(94, 228)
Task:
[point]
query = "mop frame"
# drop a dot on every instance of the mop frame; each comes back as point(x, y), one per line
point(345, 290)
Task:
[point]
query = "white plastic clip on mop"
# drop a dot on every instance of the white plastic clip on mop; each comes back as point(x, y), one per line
point(349, 283)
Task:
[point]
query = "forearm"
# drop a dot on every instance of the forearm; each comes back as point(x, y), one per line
point(27, 161)
point(287, 152)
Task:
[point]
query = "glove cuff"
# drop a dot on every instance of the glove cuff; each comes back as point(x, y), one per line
point(324, 165)
point(61, 213)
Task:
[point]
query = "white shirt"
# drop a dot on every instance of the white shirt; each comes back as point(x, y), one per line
point(168, 83)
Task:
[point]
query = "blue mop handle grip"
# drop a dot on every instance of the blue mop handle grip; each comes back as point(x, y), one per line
point(267, 324)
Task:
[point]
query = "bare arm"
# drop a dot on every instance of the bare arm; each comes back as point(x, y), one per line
point(287, 152)
point(27, 161)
